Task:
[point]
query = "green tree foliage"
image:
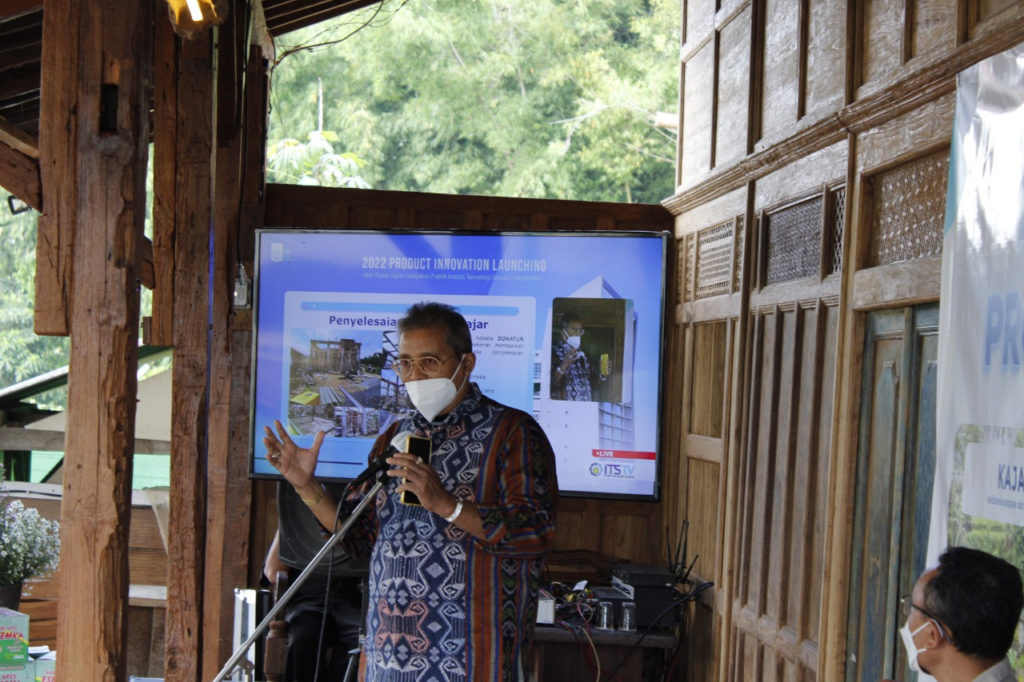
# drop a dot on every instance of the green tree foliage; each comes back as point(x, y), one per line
point(314, 162)
point(22, 354)
point(549, 99)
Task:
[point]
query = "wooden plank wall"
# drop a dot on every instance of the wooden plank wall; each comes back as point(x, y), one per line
point(809, 132)
point(616, 529)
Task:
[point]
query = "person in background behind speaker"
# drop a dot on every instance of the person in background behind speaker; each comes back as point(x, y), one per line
point(961, 618)
point(453, 581)
point(572, 374)
point(299, 537)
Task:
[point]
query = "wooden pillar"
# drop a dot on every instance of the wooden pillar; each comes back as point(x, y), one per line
point(58, 150)
point(102, 210)
point(228, 485)
point(159, 329)
point(193, 216)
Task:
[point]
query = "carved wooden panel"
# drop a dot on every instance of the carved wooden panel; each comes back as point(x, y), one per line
point(738, 253)
point(835, 219)
point(697, 17)
point(732, 114)
point(687, 285)
point(908, 210)
point(881, 47)
point(792, 240)
point(981, 12)
point(825, 59)
point(780, 69)
point(715, 260)
point(708, 387)
point(933, 27)
point(703, 506)
point(783, 472)
point(698, 86)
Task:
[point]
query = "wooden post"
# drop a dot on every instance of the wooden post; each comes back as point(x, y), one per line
point(109, 50)
point(228, 486)
point(58, 150)
point(193, 215)
point(160, 327)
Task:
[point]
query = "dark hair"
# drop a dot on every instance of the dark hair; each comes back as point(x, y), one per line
point(567, 317)
point(430, 314)
point(978, 597)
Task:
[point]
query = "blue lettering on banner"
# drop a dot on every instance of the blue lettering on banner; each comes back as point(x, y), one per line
point(1011, 478)
point(1004, 331)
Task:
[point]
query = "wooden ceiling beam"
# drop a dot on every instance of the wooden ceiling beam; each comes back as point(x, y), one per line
point(19, 175)
point(284, 16)
point(14, 438)
point(20, 87)
point(19, 166)
point(12, 8)
point(19, 140)
point(25, 54)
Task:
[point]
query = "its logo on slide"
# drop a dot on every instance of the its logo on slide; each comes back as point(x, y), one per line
point(613, 470)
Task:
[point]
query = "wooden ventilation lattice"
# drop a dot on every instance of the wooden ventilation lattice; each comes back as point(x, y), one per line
point(794, 241)
point(687, 268)
point(837, 211)
point(909, 209)
point(737, 260)
point(714, 260)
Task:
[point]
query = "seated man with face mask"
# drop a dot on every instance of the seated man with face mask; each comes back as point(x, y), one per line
point(453, 579)
point(961, 618)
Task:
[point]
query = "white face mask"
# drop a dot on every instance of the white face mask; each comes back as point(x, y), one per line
point(430, 396)
point(573, 341)
point(908, 643)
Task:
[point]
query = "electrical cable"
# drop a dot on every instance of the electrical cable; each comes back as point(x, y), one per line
point(597, 659)
point(576, 641)
point(689, 596)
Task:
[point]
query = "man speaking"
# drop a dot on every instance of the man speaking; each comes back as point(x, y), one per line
point(454, 577)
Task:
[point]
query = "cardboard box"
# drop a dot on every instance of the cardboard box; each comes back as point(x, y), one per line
point(13, 637)
point(18, 673)
point(46, 670)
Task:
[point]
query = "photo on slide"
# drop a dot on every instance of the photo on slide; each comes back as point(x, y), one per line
point(588, 348)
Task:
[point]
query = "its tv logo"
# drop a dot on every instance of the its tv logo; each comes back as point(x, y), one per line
point(613, 470)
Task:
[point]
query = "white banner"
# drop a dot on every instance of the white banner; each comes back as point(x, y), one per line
point(978, 499)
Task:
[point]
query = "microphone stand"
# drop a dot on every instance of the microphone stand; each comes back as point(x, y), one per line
point(282, 601)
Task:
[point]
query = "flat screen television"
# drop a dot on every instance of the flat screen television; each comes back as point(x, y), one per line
point(326, 307)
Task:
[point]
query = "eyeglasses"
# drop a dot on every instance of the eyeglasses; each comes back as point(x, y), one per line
point(427, 364)
point(575, 331)
point(907, 604)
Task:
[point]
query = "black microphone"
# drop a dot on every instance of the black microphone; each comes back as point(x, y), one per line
point(380, 464)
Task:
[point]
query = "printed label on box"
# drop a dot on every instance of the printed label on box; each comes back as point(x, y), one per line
point(13, 637)
point(18, 673)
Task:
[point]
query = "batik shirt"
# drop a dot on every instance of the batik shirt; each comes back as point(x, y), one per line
point(443, 605)
point(575, 382)
point(1000, 672)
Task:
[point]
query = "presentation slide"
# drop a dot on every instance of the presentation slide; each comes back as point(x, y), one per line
point(565, 326)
